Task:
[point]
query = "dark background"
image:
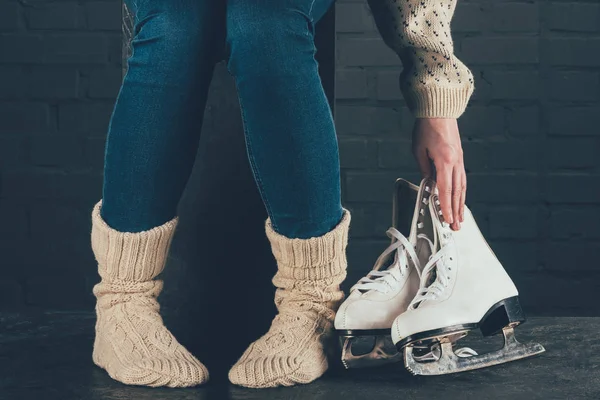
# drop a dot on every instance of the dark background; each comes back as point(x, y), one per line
point(531, 138)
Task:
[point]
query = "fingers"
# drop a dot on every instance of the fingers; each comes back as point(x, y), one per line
point(424, 163)
point(463, 194)
point(456, 196)
point(445, 184)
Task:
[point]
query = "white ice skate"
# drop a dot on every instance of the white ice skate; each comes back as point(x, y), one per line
point(463, 287)
point(386, 291)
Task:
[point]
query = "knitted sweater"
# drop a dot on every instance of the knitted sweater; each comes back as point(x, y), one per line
point(434, 82)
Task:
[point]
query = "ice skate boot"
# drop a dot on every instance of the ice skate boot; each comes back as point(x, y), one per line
point(366, 316)
point(463, 287)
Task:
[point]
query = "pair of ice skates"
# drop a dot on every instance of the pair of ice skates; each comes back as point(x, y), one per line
point(428, 290)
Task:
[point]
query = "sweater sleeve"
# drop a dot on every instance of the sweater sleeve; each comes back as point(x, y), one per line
point(434, 82)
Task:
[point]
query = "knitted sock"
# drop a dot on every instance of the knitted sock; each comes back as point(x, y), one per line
point(307, 296)
point(132, 343)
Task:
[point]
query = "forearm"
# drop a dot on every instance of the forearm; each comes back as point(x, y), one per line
point(434, 82)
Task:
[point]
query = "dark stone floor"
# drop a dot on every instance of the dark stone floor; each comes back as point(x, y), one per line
point(48, 356)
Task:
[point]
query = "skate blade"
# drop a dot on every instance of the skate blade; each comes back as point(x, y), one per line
point(449, 362)
point(383, 352)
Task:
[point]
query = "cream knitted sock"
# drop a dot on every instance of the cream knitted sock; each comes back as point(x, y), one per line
point(132, 343)
point(307, 296)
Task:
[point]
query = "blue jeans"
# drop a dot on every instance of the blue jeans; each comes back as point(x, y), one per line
point(288, 125)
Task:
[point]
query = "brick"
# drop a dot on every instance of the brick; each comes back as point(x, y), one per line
point(15, 222)
point(515, 17)
point(573, 16)
point(74, 49)
point(483, 86)
point(500, 50)
point(371, 221)
point(21, 48)
point(503, 139)
point(388, 85)
point(571, 256)
point(365, 52)
point(357, 153)
point(105, 83)
point(566, 121)
point(573, 189)
point(94, 152)
point(70, 257)
point(542, 292)
point(572, 153)
point(516, 256)
point(396, 155)
point(482, 122)
point(14, 251)
point(12, 82)
point(482, 218)
point(524, 121)
point(575, 223)
point(522, 188)
point(11, 151)
point(115, 48)
point(102, 15)
point(9, 16)
point(574, 86)
point(53, 83)
point(351, 84)
point(24, 117)
point(51, 185)
point(48, 218)
point(84, 118)
point(364, 120)
point(11, 294)
point(512, 223)
point(515, 85)
point(476, 156)
point(58, 291)
point(64, 15)
point(57, 151)
point(353, 17)
point(373, 186)
point(515, 155)
point(408, 121)
point(571, 51)
point(470, 17)
point(361, 258)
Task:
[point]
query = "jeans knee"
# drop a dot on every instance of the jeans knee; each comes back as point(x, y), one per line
point(268, 42)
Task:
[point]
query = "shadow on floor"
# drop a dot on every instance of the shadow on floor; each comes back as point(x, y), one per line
point(48, 356)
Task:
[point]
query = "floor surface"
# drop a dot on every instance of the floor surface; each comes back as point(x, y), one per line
point(48, 356)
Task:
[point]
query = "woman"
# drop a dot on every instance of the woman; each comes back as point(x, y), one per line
point(293, 153)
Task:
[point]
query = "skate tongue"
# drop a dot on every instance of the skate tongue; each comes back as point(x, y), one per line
point(426, 188)
point(383, 268)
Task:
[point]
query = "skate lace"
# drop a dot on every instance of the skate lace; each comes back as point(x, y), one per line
point(382, 281)
point(430, 291)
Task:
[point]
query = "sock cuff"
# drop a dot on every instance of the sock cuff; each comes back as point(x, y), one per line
point(320, 257)
point(128, 256)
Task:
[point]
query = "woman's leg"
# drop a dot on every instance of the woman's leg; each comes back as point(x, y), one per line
point(150, 151)
point(155, 126)
point(293, 150)
point(290, 134)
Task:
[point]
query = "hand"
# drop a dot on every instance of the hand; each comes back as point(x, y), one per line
point(436, 144)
